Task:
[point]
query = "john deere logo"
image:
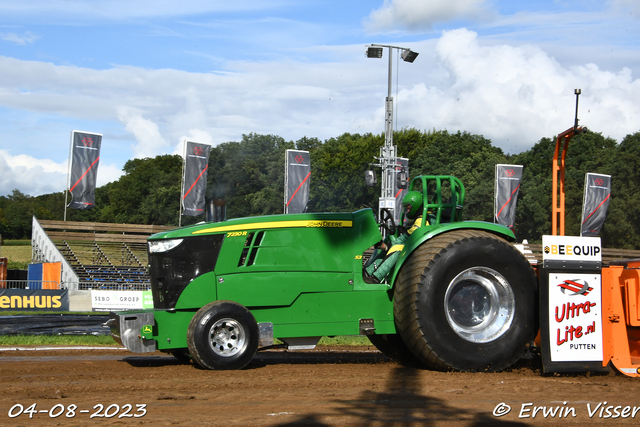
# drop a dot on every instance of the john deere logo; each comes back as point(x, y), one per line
point(146, 329)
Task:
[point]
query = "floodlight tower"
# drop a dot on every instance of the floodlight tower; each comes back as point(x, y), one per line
point(388, 158)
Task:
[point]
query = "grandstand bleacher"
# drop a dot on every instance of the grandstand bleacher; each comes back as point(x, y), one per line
point(103, 256)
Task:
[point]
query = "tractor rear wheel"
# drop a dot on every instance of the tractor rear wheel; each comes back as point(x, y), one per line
point(223, 335)
point(466, 300)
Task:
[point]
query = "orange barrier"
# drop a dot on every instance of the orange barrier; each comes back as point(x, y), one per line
point(51, 274)
point(3, 272)
point(621, 317)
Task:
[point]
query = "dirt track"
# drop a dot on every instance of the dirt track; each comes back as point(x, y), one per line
point(329, 386)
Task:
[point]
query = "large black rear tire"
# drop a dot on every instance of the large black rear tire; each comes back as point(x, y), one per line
point(223, 335)
point(466, 300)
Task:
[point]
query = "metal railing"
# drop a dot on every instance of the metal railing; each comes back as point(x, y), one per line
point(114, 286)
point(44, 250)
point(30, 284)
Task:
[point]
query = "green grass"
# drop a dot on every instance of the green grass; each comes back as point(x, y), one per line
point(18, 256)
point(23, 242)
point(90, 340)
point(85, 340)
point(345, 340)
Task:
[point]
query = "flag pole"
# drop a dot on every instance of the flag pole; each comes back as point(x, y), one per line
point(66, 188)
point(184, 161)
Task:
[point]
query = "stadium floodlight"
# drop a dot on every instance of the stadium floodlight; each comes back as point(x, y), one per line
point(388, 152)
point(374, 52)
point(408, 55)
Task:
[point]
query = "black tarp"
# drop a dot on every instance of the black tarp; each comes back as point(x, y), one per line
point(54, 324)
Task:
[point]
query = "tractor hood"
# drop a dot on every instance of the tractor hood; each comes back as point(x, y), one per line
point(324, 220)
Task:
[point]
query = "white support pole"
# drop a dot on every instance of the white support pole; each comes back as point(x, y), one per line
point(184, 163)
point(66, 188)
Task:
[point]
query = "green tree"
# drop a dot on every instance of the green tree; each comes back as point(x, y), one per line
point(337, 173)
point(590, 152)
point(147, 193)
point(18, 213)
point(249, 175)
point(470, 158)
point(622, 226)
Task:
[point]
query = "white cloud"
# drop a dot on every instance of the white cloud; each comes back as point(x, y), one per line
point(32, 179)
point(24, 39)
point(107, 173)
point(35, 176)
point(147, 133)
point(422, 15)
point(194, 135)
point(513, 95)
point(517, 95)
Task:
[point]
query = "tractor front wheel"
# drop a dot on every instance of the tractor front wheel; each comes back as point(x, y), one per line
point(223, 335)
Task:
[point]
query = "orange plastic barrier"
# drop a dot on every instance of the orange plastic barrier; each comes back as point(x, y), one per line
point(51, 274)
point(621, 317)
point(3, 272)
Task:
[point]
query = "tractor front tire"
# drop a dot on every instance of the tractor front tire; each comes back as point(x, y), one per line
point(223, 335)
point(466, 300)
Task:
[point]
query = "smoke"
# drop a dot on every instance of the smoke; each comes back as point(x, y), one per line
point(149, 140)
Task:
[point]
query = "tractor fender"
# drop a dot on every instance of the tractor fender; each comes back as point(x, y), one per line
point(422, 234)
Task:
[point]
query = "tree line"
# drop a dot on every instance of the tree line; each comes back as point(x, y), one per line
point(249, 176)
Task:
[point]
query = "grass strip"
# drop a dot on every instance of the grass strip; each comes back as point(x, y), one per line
point(5, 340)
point(65, 340)
point(345, 340)
point(105, 340)
point(21, 242)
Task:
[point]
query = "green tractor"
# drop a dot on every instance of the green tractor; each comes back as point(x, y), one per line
point(459, 297)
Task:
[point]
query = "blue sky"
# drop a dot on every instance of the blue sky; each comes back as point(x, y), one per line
point(148, 74)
